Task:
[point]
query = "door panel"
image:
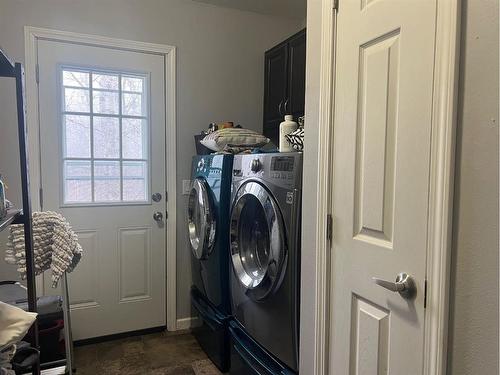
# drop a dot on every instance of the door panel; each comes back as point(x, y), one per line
point(135, 264)
point(376, 137)
point(84, 291)
point(271, 130)
point(383, 94)
point(369, 338)
point(102, 127)
point(275, 80)
point(297, 76)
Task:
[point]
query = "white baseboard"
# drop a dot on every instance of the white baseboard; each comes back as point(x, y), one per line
point(187, 323)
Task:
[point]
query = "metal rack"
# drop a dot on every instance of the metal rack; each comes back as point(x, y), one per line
point(13, 70)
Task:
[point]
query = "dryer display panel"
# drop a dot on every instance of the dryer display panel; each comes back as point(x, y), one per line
point(282, 163)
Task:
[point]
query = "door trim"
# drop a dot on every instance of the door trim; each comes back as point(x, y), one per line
point(31, 37)
point(442, 170)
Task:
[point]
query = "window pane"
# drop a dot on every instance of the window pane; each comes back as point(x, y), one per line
point(135, 181)
point(105, 81)
point(105, 102)
point(97, 137)
point(75, 78)
point(106, 137)
point(107, 181)
point(133, 105)
point(76, 100)
point(134, 138)
point(77, 136)
point(77, 184)
point(132, 84)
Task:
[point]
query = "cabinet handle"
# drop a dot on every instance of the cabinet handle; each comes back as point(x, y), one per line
point(286, 106)
point(279, 108)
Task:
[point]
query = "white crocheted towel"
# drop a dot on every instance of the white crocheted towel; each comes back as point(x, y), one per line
point(55, 246)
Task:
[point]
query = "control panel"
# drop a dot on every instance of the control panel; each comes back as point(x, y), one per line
point(210, 167)
point(202, 165)
point(283, 169)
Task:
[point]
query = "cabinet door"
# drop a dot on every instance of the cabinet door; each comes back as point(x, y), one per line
point(296, 76)
point(271, 130)
point(275, 83)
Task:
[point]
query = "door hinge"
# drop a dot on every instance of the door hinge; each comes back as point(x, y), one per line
point(40, 195)
point(425, 294)
point(335, 5)
point(329, 227)
point(37, 73)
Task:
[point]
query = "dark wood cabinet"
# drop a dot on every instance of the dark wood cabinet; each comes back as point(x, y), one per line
point(284, 83)
point(276, 78)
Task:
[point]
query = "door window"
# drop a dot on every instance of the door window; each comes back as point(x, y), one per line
point(254, 240)
point(201, 223)
point(105, 127)
point(258, 245)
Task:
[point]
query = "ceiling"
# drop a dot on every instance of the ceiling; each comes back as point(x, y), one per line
point(286, 8)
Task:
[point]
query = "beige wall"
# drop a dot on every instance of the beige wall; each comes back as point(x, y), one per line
point(473, 341)
point(219, 71)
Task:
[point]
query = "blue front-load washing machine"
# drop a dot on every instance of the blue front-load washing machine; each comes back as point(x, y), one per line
point(208, 230)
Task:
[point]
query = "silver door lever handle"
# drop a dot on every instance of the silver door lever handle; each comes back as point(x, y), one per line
point(158, 216)
point(404, 285)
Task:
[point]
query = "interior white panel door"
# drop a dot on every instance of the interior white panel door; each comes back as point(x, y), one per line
point(102, 137)
point(383, 94)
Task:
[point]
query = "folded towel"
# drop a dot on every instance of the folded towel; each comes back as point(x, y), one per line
point(55, 246)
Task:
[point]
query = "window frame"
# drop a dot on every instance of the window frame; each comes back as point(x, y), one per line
point(146, 92)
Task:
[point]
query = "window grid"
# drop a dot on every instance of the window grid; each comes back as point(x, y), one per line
point(91, 114)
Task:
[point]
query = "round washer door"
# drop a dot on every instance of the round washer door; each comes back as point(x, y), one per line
point(258, 246)
point(200, 220)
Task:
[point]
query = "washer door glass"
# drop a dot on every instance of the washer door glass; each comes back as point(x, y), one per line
point(200, 220)
point(258, 247)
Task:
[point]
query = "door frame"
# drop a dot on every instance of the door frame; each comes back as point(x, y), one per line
point(31, 36)
point(440, 206)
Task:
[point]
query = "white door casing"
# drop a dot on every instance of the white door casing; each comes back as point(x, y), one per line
point(124, 266)
point(391, 209)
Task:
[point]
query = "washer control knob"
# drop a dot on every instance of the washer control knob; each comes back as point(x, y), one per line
point(256, 165)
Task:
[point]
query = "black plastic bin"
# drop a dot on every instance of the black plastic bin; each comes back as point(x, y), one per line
point(50, 318)
point(201, 149)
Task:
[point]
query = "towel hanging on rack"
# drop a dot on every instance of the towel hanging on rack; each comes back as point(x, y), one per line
point(55, 246)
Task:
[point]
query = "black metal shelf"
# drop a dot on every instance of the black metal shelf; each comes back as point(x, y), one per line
point(7, 67)
point(12, 216)
point(10, 69)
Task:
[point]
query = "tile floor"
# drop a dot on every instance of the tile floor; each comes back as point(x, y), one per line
point(155, 354)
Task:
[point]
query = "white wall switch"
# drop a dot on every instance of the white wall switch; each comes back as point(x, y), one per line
point(186, 187)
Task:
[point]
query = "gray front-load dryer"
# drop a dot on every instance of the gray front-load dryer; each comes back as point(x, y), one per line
point(265, 251)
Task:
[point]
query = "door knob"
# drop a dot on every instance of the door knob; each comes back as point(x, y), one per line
point(158, 216)
point(404, 285)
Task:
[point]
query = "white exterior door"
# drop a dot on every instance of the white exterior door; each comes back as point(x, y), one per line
point(102, 138)
point(382, 131)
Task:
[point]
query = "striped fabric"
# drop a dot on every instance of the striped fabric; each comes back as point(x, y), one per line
point(296, 139)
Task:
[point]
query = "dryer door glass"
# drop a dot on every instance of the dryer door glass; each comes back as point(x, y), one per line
point(201, 220)
point(258, 246)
